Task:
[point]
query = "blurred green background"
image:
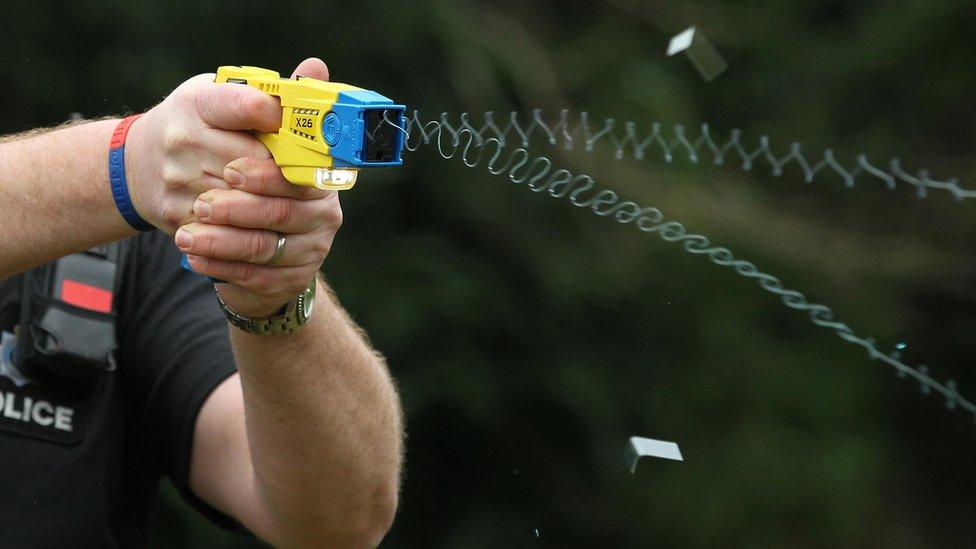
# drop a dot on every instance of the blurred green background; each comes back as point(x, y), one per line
point(530, 339)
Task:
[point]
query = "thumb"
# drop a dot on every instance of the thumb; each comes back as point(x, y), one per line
point(313, 67)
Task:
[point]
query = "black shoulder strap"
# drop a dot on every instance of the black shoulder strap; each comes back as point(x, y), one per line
point(114, 253)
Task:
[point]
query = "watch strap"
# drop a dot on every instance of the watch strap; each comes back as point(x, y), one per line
point(294, 315)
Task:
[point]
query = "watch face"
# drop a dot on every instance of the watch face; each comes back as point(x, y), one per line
point(307, 303)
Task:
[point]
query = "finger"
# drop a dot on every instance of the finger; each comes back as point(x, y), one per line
point(264, 177)
point(238, 107)
point(204, 184)
point(256, 246)
point(313, 67)
point(262, 280)
point(253, 211)
point(223, 146)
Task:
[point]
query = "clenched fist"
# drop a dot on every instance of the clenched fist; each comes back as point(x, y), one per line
point(196, 172)
point(238, 230)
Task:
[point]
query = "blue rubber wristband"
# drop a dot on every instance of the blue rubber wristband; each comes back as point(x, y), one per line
point(116, 177)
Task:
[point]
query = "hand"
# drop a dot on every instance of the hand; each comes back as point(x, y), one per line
point(235, 228)
point(179, 148)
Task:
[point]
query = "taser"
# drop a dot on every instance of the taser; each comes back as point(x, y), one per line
point(329, 131)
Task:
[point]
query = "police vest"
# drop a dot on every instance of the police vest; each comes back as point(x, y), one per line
point(59, 319)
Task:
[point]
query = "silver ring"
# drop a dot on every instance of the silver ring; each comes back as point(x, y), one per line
point(279, 251)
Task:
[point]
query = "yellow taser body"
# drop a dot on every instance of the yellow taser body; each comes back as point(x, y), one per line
point(328, 130)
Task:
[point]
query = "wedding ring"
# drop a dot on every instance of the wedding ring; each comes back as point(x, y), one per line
point(279, 251)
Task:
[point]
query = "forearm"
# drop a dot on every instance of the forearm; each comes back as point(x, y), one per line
point(324, 429)
point(54, 195)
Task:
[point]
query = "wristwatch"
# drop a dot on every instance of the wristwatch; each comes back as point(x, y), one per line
point(288, 320)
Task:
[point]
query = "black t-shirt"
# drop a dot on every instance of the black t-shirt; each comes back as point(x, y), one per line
point(81, 468)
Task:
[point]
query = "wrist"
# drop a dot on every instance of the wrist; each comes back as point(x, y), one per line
point(286, 320)
point(253, 305)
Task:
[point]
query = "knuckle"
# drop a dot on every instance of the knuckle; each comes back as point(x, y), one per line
point(260, 172)
point(181, 184)
point(205, 243)
point(171, 172)
point(246, 103)
point(173, 215)
point(320, 249)
point(270, 171)
point(259, 169)
point(174, 178)
point(280, 212)
point(177, 139)
point(210, 195)
point(334, 217)
point(246, 273)
point(247, 166)
point(330, 217)
point(260, 246)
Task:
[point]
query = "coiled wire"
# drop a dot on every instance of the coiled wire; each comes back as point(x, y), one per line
point(485, 147)
point(575, 131)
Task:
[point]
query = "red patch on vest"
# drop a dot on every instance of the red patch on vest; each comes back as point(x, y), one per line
point(85, 296)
